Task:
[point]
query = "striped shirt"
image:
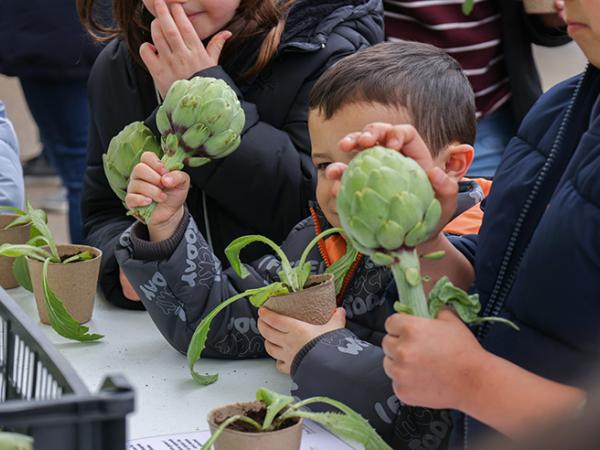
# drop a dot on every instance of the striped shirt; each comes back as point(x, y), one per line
point(473, 40)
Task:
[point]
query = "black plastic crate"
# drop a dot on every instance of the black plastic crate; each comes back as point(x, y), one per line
point(43, 397)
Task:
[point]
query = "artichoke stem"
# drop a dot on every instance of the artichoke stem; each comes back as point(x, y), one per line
point(410, 289)
point(144, 213)
point(174, 161)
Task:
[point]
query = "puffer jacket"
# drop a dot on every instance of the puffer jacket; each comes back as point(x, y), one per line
point(262, 188)
point(537, 256)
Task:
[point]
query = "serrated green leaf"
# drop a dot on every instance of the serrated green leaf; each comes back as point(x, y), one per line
point(348, 424)
point(208, 444)
point(198, 341)
point(39, 221)
point(21, 272)
point(275, 404)
point(30, 251)
point(444, 293)
point(83, 256)
point(259, 296)
point(233, 255)
point(61, 321)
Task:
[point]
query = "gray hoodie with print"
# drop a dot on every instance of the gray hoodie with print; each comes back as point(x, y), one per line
point(180, 281)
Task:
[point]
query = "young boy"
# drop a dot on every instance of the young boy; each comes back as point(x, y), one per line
point(180, 280)
point(536, 262)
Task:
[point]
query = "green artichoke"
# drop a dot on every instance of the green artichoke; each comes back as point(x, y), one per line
point(387, 207)
point(200, 120)
point(124, 152)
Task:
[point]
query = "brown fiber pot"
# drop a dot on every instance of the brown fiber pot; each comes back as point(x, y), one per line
point(287, 439)
point(16, 235)
point(73, 283)
point(313, 305)
point(539, 6)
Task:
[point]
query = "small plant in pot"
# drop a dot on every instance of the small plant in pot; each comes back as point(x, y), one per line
point(297, 294)
point(15, 228)
point(63, 278)
point(274, 422)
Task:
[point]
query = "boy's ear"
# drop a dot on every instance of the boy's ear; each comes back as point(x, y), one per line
point(457, 160)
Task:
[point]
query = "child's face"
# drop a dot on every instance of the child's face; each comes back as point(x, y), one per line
point(583, 25)
point(325, 135)
point(206, 16)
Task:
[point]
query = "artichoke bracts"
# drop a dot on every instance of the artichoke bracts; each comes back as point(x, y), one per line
point(387, 207)
point(124, 152)
point(200, 120)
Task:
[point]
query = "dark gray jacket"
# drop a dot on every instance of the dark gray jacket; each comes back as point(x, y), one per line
point(181, 280)
point(262, 188)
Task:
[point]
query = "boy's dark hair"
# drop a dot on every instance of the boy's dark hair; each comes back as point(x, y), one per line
point(419, 77)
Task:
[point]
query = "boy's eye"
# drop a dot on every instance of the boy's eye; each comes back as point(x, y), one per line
point(322, 166)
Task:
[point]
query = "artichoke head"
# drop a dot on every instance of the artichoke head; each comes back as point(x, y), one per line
point(124, 152)
point(200, 120)
point(386, 204)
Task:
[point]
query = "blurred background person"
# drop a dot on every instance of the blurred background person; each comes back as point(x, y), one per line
point(493, 46)
point(43, 44)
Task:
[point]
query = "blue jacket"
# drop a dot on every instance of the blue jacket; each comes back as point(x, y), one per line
point(11, 175)
point(537, 257)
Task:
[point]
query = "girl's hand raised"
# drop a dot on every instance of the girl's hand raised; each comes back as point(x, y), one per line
point(177, 52)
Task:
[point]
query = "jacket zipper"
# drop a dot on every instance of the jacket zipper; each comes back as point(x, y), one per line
point(501, 289)
point(321, 244)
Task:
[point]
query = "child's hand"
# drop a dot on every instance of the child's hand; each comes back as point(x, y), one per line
point(432, 363)
point(407, 141)
point(149, 182)
point(285, 336)
point(177, 52)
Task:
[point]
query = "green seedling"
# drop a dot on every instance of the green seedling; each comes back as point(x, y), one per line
point(42, 247)
point(346, 423)
point(291, 279)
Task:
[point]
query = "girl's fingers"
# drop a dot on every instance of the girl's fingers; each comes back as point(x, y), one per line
point(150, 159)
point(169, 27)
point(145, 173)
point(137, 200)
point(186, 29)
point(150, 58)
point(215, 46)
point(174, 179)
point(159, 40)
point(147, 190)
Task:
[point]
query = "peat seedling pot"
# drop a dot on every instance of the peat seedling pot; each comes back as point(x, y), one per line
point(16, 235)
point(539, 6)
point(239, 437)
point(314, 304)
point(74, 283)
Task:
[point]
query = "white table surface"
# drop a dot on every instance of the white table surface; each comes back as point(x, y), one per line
point(167, 399)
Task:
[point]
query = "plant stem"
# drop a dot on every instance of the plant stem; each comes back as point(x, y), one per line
point(407, 275)
point(208, 444)
point(174, 161)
